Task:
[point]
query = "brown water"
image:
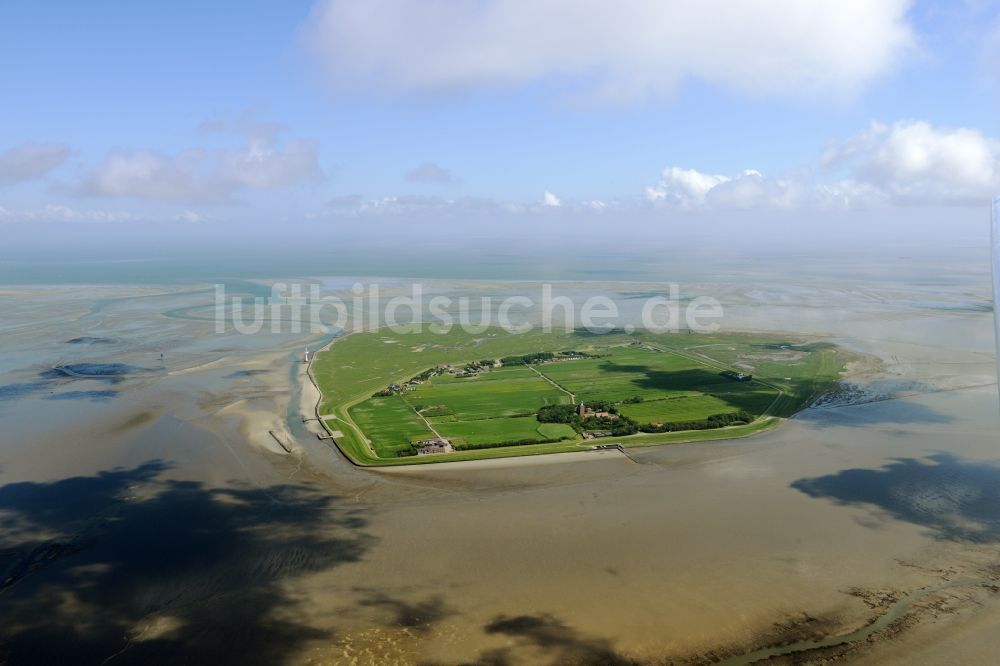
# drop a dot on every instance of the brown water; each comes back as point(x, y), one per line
point(150, 517)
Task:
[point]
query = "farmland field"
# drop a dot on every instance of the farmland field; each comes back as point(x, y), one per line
point(682, 408)
point(627, 372)
point(504, 430)
point(386, 392)
point(390, 422)
point(502, 392)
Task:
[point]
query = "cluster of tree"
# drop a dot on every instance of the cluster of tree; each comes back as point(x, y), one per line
point(557, 414)
point(409, 384)
point(527, 359)
point(540, 357)
point(619, 426)
point(512, 442)
point(423, 376)
point(475, 367)
point(634, 400)
point(601, 406)
point(741, 417)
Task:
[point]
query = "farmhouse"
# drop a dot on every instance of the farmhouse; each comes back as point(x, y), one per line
point(431, 446)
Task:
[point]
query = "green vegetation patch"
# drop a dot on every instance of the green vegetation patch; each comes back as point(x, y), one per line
point(521, 429)
point(495, 394)
point(683, 408)
point(734, 384)
point(555, 431)
point(632, 371)
point(390, 424)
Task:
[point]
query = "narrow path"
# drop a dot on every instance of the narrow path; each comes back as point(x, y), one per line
point(571, 396)
point(422, 418)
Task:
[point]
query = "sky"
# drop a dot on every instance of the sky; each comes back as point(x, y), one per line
point(358, 115)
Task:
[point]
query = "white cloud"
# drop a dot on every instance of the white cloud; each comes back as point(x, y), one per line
point(355, 205)
point(752, 189)
point(914, 162)
point(687, 188)
point(690, 189)
point(908, 162)
point(263, 165)
point(150, 175)
point(616, 51)
point(189, 216)
point(415, 205)
point(30, 161)
point(200, 175)
point(59, 213)
point(429, 173)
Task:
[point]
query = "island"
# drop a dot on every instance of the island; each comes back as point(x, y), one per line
point(431, 396)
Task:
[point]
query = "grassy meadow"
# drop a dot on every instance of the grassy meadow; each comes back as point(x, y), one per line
point(498, 393)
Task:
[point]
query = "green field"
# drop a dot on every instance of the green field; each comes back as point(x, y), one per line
point(651, 379)
point(495, 407)
point(630, 371)
point(682, 408)
point(503, 392)
point(504, 430)
point(390, 423)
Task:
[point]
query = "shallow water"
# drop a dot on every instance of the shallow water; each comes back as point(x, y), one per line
point(154, 519)
point(892, 614)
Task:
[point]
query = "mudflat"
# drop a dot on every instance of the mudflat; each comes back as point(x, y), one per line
point(153, 517)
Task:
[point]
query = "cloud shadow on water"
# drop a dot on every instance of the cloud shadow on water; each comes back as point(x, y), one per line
point(91, 340)
point(156, 570)
point(107, 372)
point(243, 374)
point(415, 616)
point(951, 497)
point(61, 375)
point(545, 639)
point(11, 392)
point(92, 396)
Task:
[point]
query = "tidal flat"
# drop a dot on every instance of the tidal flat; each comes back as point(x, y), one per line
point(155, 515)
